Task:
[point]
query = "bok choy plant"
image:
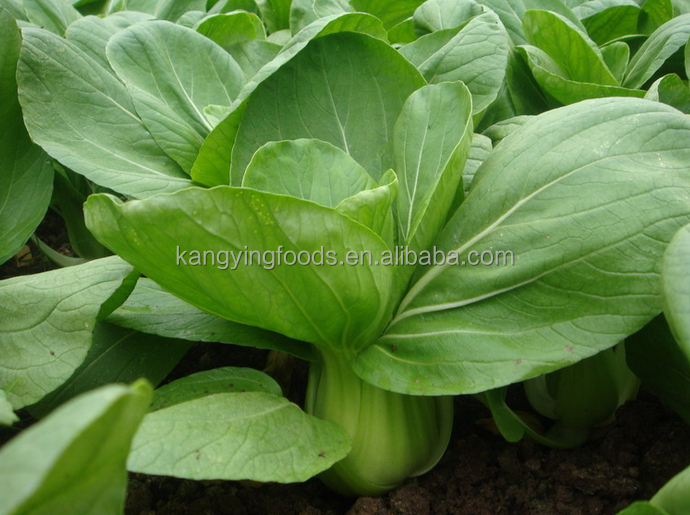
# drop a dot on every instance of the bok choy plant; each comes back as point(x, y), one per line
point(306, 177)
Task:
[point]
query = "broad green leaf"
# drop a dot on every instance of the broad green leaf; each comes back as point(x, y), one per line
point(83, 116)
point(226, 6)
point(680, 7)
point(217, 380)
point(304, 12)
point(116, 355)
point(431, 139)
point(74, 460)
point(661, 45)
point(524, 93)
point(212, 167)
point(584, 274)
point(47, 324)
point(250, 435)
point(231, 28)
point(616, 56)
point(390, 12)
point(673, 497)
point(191, 18)
point(7, 416)
point(654, 14)
point(373, 208)
point(687, 59)
point(172, 73)
point(253, 55)
point(339, 306)
point(675, 287)
point(552, 80)
point(312, 96)
point(309, 169)
point(53, 15)
point(435, 15)
point(479, 151)
point(642, 508)
point(92, 33)
point(476, 54)
point(671, 90)
point(152, 310)
point(663, 367)
point(15, 8)
point(26, 176)
point(575, 54)
point(275, 14)
point(510, 12)
point(162, 9)
point(501, 130)
point(608, 20)
point(403, 33)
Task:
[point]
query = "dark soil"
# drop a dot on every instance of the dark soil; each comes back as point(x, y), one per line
point(480, 473)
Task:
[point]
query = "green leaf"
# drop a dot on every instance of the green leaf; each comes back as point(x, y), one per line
point(513, 428)
point(575, 54)
point(616, 56)
point(435, 15)
point(476, 54)
point(7, 416)
point(390, 12)
point(552, 80)
point(250, 435)
point(191, 18)
point(672, 90)
point(661, 45)
point(252, 56)
point(152, 310)
point(47, 324)
point(92, 33)
point(339, 306)
point(304, 12)
point(654, 14)
point(275, 13)
point(74, 460)
point(479, 151)
point(608, 20)
point(663, 367)
point(116, 356)
point(431, 140)
point(673, 497)
point(642, 508)
point(510, 12)
point(675, 286)
point(212, 167)
point(83, 116)
point(231, 28)
point(53, 15)
point(26, 177)
point(501, 130)
point(304, 100)
point(217, 380)
point(15, 8)
point(170, 93)
point(162, 9)
point(373, 208)
point(584, 274)
point(309, 169)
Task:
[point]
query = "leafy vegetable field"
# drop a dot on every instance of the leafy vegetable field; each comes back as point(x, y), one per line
point(406, 201)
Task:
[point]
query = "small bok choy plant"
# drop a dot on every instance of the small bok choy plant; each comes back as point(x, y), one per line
point(342, 145)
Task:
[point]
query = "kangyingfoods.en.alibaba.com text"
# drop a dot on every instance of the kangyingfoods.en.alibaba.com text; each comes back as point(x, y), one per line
point(398, 256)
